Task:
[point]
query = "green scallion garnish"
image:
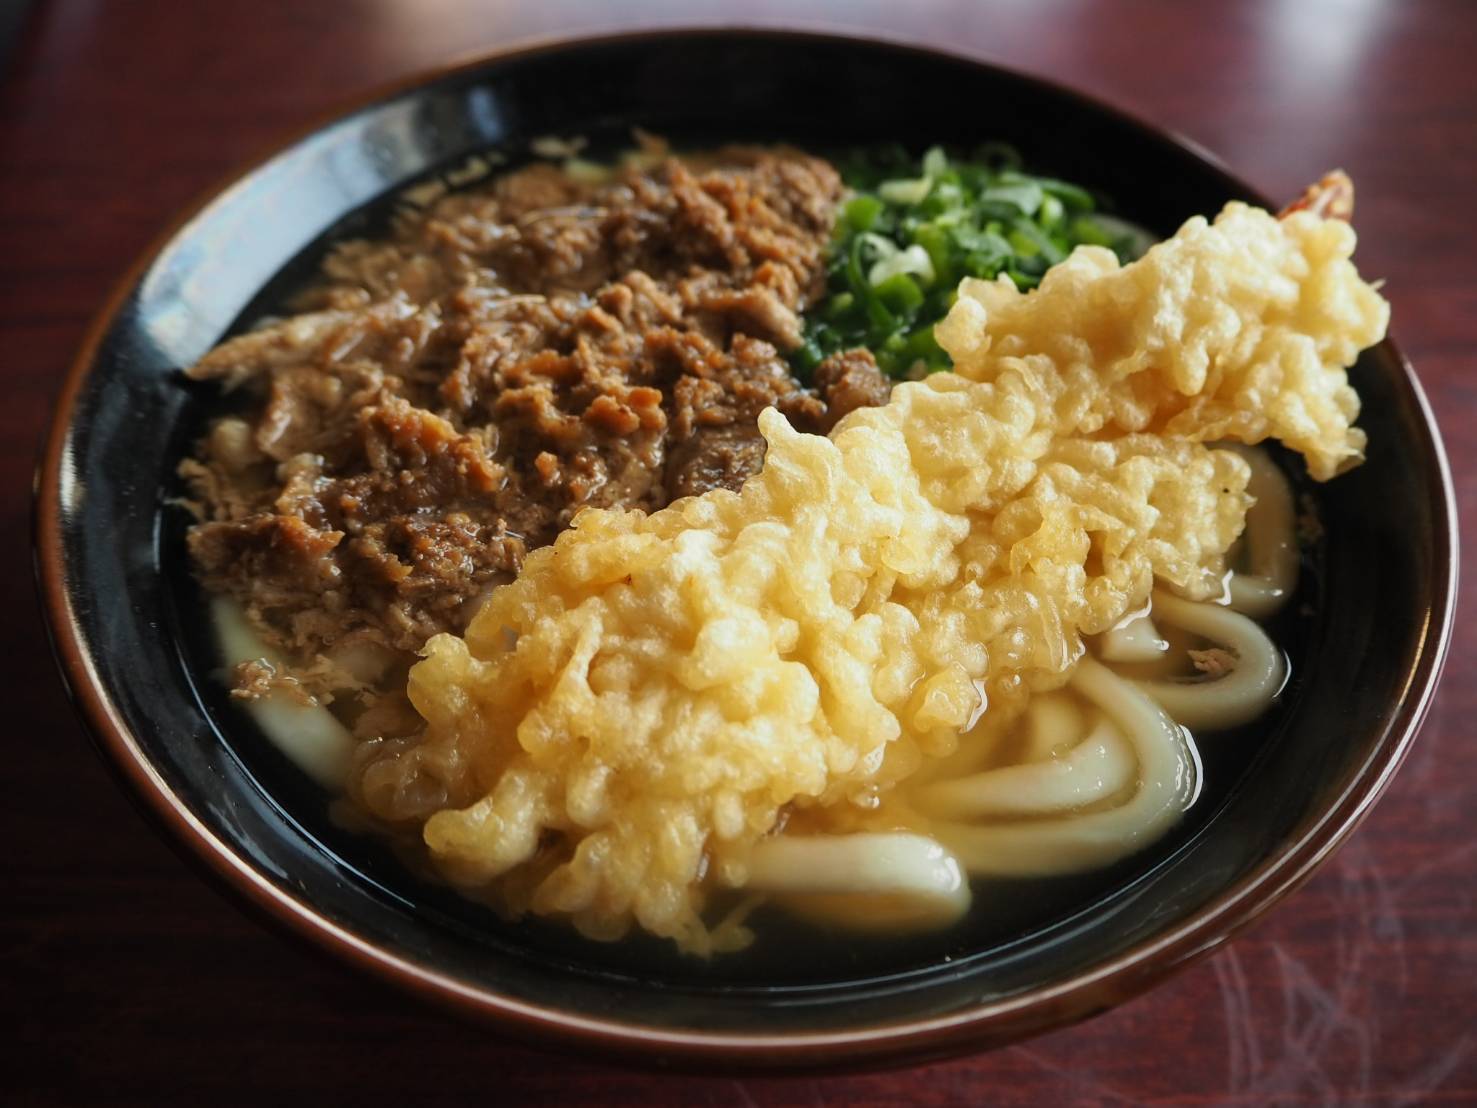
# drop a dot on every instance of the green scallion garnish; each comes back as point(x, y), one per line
point(913, 227)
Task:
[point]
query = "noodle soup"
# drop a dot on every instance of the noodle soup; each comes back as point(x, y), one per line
point(985, 632)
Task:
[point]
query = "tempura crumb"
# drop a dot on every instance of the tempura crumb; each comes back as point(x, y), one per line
point(1213, 662)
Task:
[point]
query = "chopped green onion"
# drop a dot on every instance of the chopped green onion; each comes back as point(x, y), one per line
point(1025, 196)
point(914, 259)
point(901, 294)
point(1023, 280)
point(922, 346)
point(1029, 239)
point(935, 242)
point(1088, 230)
point(1129, 240)
point(1075, 198)
point(840, 304)
point(906, 192)
point(913, 227)
point(862, 211)
point(877, 313)
point(808, 356)
point(877, 246)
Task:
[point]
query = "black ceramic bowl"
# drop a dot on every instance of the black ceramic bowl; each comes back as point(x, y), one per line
point(125, 614)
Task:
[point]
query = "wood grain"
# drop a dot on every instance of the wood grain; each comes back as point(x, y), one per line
point(131, 981)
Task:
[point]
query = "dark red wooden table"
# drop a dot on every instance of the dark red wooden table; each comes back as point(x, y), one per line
point(130, 980)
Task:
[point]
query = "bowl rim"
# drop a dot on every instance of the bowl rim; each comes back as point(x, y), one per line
point(977, 1027)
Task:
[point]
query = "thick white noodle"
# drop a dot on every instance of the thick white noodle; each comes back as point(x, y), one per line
point(1271, 540)
point(1166, 786)
point(899, 865)
point(305, 731)
point(1239, 696)
point(1054, 722)
point(1135, 639)
point(1098, 768)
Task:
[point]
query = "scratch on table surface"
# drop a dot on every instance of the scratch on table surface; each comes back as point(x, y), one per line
point(1314, 1016)
point(1319, 1013)
point(1243, 1050)
point(1375, 902)
point(1426, 775)
point(1423, 1084)
point(1080, 1083)
point(791, 1094)
point(1445, 860)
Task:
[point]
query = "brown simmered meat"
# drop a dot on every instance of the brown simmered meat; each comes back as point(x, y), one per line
point(452, 395)
point(848, 380)
point(415, 524)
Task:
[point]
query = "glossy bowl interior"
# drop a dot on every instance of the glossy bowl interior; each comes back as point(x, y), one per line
point(128, 629)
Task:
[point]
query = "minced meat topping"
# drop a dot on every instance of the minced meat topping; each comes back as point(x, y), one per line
point(453, 394)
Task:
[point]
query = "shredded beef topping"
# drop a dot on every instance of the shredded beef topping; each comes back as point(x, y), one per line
point(849, 380)
point(452, 395)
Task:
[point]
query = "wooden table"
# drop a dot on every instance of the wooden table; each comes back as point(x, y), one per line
point(133, 981)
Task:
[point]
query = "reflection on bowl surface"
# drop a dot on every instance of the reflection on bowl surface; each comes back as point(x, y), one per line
point(1365, 635)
